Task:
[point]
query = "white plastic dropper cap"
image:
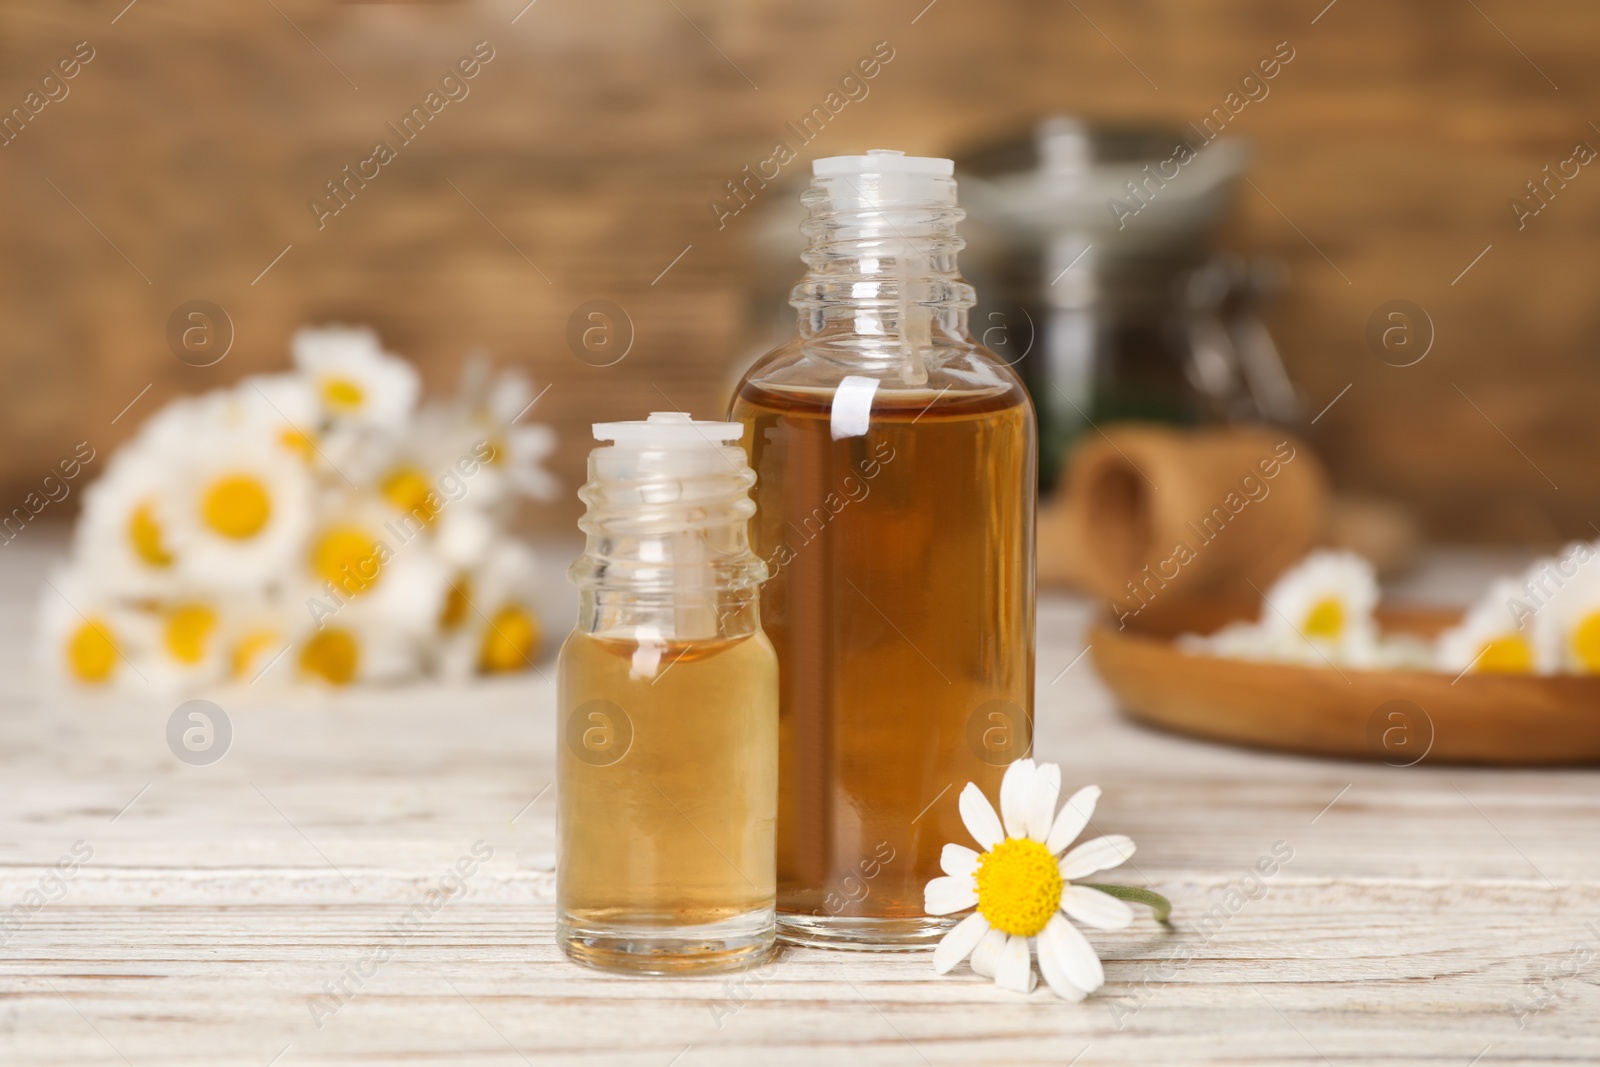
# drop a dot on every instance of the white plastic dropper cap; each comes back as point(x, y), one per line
point(882, 161)
point(667, 429)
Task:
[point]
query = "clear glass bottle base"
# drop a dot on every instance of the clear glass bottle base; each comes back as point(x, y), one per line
point(652, 948)
point(861, 934)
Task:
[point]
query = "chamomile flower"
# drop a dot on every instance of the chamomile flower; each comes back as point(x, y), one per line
point(281, 407)
point(1024, 890)
point(255, 636)
point(1326, 600)
point(408, 487)
point(346, 650)
point(121, 532)
point(426, 483)
point(1565, 595)
point(186, 646)
point(236, 509)
point(490, 422)
point(489, 619)
point(1320, 611)
point(85, 637)
point(516, 454)
point(353, 378)
point(363, 561)
point(1493, 637)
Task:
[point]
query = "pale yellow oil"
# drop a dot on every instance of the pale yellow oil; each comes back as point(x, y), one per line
point(668, 793)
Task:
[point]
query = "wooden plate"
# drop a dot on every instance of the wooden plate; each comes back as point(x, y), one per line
point(1398, 717)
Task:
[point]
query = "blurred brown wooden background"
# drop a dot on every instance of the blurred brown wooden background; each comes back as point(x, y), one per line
point(596, 137)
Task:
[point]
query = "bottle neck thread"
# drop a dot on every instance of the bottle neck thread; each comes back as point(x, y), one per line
point(668, 556)
point(881, 265)
point(664, 531)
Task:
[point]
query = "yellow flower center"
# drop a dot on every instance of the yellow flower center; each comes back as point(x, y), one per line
point(497, 452)
point(342, 394)
point(91, 652)
point(249, 648)
point(1510, 654)
point(331, 655)
point(298, 443)
point(456, 604)
point(510, 641)
point(1586, 643)
point(1325, 619)
point(187, 630)
point(236, 506)
point(145, 534)
point(1019, 886)
point(407, 488)
point(348, 558)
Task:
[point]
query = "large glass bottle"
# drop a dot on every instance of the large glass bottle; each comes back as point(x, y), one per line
point(895, 461)
point(667, 757)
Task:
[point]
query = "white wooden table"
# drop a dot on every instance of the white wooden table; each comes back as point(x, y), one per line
point(1423, 909)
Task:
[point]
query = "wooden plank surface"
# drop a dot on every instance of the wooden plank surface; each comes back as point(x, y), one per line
point(1428, 914)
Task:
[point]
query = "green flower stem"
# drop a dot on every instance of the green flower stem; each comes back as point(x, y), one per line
point(1160, 905)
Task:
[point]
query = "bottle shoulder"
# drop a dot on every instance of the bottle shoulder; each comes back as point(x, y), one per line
point(954, 372)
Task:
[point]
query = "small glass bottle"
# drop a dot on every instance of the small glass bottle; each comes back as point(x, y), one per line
point(667, 755)
point(895, 459)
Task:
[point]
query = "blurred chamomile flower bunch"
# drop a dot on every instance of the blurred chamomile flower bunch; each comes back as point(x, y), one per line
point(1545, 620)
point(318, 525)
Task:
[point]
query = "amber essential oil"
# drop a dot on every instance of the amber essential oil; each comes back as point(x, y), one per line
point(900, 588)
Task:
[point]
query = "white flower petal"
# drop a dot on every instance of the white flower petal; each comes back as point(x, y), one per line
point(1094, 908)
point(1042, 805)
point(1100, 854)
point(1073, 818)
point(1074, 954)
point(1054, 974)
point(463, 535)
point(526, 447)
point(1014, 971)
point(958, 861)
point(958, 944)
point(1016, 790)
point(978, 814)
point(945, 895)
point(986, 957)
